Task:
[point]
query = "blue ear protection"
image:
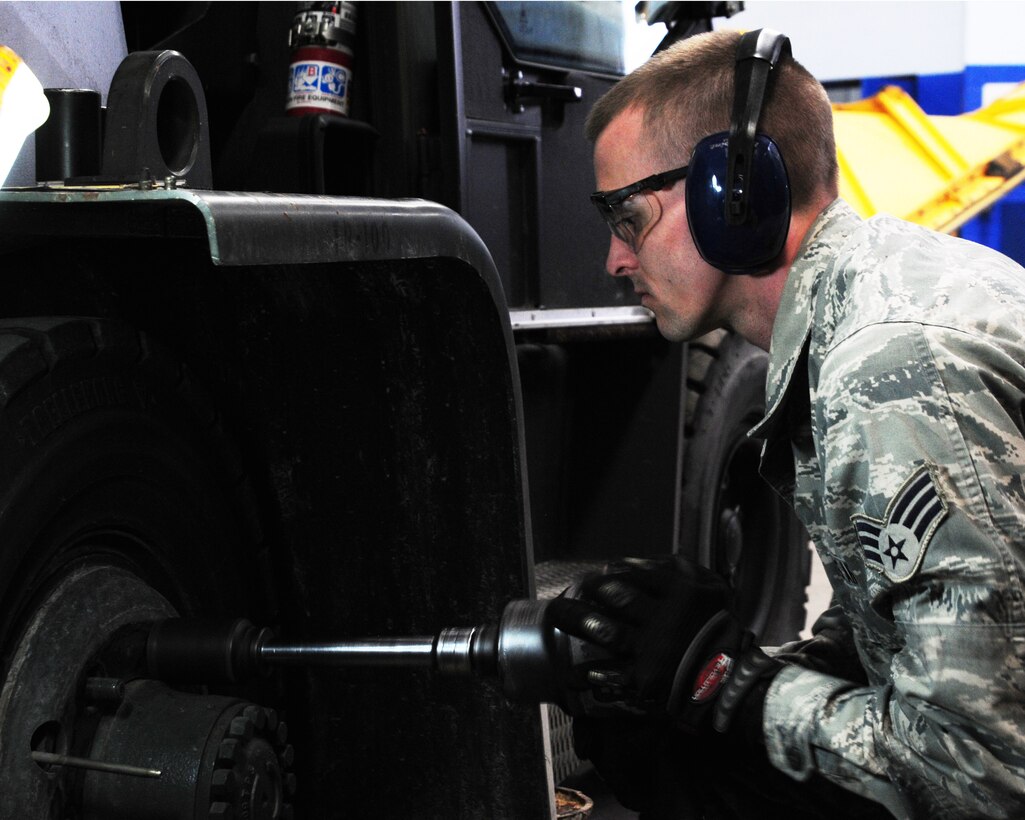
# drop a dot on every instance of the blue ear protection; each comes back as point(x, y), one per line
point(738, 192)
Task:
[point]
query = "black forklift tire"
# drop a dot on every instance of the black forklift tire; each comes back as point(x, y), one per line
point(731, 519)
point(115, 475)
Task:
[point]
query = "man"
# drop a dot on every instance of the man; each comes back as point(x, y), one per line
point(896, 396)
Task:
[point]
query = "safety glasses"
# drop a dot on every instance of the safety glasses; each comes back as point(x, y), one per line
point(628, 214)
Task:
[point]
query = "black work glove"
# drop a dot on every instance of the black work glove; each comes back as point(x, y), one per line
point(644, 614)
point(671, 656)
point(672, 647)
point(830, 649)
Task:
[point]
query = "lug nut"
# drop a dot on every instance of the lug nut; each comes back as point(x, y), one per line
point(221, 811)
point(287, 756)
point(223, 783)
point(257, 716)
point(227, 752)
point(241, 728)
point(290, 783)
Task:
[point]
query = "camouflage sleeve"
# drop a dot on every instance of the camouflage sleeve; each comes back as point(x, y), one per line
point(921, 452)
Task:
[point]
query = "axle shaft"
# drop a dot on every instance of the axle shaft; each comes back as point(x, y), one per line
point(411, 651)
point(184, 651)
point(453, 651)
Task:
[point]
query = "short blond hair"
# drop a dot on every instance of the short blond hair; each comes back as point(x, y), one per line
point(686, 93)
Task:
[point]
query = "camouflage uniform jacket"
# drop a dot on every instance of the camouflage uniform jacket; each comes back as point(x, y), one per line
point(896, 394)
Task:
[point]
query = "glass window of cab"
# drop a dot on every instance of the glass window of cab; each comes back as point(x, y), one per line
point(596, 36)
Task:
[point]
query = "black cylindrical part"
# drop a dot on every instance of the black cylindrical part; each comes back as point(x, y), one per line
point(196, 651)
point(68, 143)
point(531, 659)
point(485, 650)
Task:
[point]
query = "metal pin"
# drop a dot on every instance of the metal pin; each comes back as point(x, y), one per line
point(94, 765)
point(105, 690)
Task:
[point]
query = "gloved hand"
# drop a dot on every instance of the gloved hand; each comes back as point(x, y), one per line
point(644, 613)
point(666, 654)
point(672, 645)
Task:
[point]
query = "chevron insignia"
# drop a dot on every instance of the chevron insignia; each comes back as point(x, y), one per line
point(896, 545)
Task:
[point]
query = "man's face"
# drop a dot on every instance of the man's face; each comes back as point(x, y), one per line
point(683, 291)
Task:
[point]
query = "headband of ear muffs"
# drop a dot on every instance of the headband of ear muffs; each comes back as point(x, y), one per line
point(738, 192)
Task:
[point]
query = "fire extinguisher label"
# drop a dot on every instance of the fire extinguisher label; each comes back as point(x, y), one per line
point(320, 85)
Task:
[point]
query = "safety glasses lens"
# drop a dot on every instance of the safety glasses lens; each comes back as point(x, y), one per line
point(628, 219)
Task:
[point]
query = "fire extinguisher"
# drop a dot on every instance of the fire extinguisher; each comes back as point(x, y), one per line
point(321, 40)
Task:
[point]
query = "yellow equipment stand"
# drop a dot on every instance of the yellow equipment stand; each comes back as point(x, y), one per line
point(938, 171)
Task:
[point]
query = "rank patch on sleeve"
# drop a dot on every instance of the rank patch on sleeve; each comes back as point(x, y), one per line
point(896, 545)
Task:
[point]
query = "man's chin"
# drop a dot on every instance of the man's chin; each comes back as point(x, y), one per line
point(676, 329)
point(671, 327)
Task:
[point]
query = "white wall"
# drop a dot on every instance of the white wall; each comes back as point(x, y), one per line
point(851, 39)
point(994, 32)
point(67, 45)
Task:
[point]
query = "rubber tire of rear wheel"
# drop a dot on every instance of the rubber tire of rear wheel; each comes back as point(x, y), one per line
point(110, 456)
point(727, 380)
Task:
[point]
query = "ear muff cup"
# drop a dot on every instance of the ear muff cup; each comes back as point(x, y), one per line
point(752, 245)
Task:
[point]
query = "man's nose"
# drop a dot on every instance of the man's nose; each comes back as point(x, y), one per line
point(621, 260)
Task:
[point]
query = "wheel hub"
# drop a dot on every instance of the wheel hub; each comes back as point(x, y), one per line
point(65, 700)
point(219, 757)
point(40, 698)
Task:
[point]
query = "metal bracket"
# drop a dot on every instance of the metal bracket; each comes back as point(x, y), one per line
point(520, 92)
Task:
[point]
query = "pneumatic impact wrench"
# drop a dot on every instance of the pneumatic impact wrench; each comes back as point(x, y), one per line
point(534, 661)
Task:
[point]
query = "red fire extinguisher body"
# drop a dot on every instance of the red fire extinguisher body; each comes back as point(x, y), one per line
point(320, 70)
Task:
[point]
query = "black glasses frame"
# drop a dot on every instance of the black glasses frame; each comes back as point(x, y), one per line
point(607, 200)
